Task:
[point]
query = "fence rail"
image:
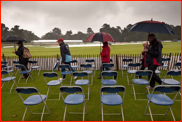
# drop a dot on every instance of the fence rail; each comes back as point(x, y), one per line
point(47, 62)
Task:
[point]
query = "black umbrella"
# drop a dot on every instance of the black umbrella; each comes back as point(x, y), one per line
point(13, 38)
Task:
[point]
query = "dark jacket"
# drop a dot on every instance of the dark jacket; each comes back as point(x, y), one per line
point(19, 53)
point(64, 48)
point(154, 53)
point(105, 54)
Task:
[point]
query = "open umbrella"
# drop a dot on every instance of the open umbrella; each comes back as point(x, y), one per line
point(101, 37)
point(13, 38)
point(152, 26)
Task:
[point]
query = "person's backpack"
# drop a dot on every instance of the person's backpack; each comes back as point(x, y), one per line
point(26, 53)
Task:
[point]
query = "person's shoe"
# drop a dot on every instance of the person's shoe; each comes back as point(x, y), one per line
point(99, 78)
point(149, 87)
point(61, 79)
point(75, 77)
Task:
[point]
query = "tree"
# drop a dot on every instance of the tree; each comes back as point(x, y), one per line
point(89, 31)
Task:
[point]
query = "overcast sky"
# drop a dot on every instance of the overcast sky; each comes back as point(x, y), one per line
point(41, 17)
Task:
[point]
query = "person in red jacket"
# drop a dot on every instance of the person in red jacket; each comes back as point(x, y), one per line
point(105, 56)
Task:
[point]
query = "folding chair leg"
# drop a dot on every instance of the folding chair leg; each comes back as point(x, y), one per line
point(39, 72)
point(148, 106)
point(94, 71)
point(134, 91)
point(92, 79)
point(122, 112)
point(127, 78)
point(42, 113)
point(83, 111)
point(65, 112)
point(48, 92)
point(24, 113)
point(172, 113)
point(11, 87)
point(102, 112)
point(71, 79)
point(2, 85)
point(20, 78)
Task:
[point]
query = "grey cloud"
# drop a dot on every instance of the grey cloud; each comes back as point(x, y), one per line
point(42, 16)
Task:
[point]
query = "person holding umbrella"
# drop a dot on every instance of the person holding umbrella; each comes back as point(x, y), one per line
point(65, 55)
point(105, 56)
point(154, 59)
point(22, 60)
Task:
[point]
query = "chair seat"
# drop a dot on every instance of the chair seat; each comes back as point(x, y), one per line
point(125, 66)
point(89, 72)
point(82, 82)
point(160, 99)
point(157, 72)
point(66, 72)
point(171, 81)
point(54, 83)
point(34, 100)
point(7, 67)
point(93, 65)
point(131, 71)
point(140, 81)
point(9, 71)
point(109, 82)
point(163, 66)
point(111, 99)
point(36, 67)
point(74, 99)
point(25, 72)
point(75, 66)
point(8, 79)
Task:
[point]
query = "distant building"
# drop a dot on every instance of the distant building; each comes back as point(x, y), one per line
point(55, 41)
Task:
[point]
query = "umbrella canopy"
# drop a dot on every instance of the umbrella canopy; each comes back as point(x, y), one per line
point(13, 38)
point(102, 37)
point(152, 26)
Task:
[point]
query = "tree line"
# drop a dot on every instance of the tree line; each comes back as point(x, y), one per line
point(118, 34)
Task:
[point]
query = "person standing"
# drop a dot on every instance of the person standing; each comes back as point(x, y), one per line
point(22, 60)
point(66, 55)
point(144, 59)
point(154, 59)
point(105, 56)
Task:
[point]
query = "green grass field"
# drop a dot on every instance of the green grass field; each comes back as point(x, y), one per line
point(11, 104)
point(169, 47)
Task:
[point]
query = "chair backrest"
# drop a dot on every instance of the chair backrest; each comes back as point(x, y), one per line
point(3, 66)
point(64, 66)
point(32, 62)
point(143, 72)
point(3, 72)
point(89, 60)
point(80, 74)
point(167, 88)
point(26, 90)
point(86, 65)
point(174, 72)
point(166, 59)
point(74, 61)
point(50, 74)
point(19, 66)
point(134, 64)
point(178, 64)
point(109, 73)
point(107, 65)
point(4, 62)
point(127, 60)
point(70, 89)
point(15, 62)
point(112, 89)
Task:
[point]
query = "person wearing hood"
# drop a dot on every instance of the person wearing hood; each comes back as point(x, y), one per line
point(65, 56)
point(22, 60)
point(105, 56)
point(154, 59)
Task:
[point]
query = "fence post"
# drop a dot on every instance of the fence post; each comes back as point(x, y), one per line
point(57, 59)
point(169, 61)
point(116, 62)
point(3, 57)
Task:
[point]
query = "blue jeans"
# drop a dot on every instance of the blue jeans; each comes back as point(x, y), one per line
point(63, 69)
